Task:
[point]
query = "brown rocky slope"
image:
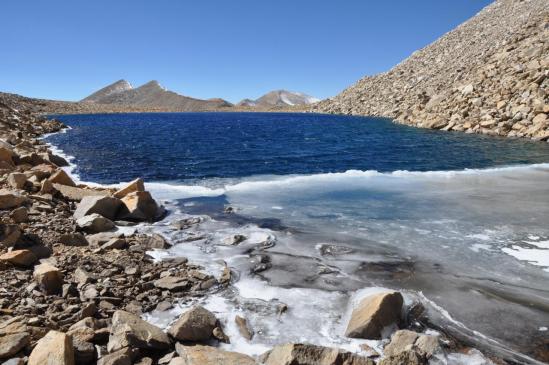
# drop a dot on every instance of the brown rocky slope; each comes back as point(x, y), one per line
point(490, 75)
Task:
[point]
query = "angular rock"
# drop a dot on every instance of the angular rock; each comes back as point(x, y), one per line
point(373, 314)
point(153, 241)
point(94, 223)
point(208, 355)
point(11, 344)
point(304, 354)
point(23, 258)
point(49, 278)
point(129, 330)
point(131, 187)
point(20, 215)
point(9, 199)
point(6, 155)
point(99, 239)
point(9, 234)
point(139, 206)
point(115, 244)
point(244, 327)
point(107, 206)
point(172, 283)
point(120, 357)
point(196, 324)
point(84, 352)
point(54, 348)
point(77, 194)
point(401, 341)
point(408, 357)
point(17, 180)
point(62, 178)
point(73, 239)
point(234, 239)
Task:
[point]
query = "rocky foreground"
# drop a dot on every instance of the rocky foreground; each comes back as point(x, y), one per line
point(489, 76)
point(75, 278)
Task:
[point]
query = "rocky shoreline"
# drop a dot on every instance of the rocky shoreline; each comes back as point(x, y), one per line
point(76, 278)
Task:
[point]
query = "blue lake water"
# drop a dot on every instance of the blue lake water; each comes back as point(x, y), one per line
point(457, 221)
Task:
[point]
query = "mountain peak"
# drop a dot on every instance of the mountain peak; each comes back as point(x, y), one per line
point(112, 89)
point(280, 97)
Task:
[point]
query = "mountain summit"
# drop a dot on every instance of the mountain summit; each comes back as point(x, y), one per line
point(278, 98)
point(152, 95)
point(114, 88)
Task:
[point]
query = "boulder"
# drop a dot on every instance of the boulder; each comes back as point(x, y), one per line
point(10, 199)
point(244, 327)
point(139, 206)
point(172, 283)
point(99, 239)
point(129, 330)
point(56, 348)
point(208, 355)
point(6, 156)
point(131, 187)
point(62, 178)
point(373, 314)
point(77, 194)
point(20, 215)
point(9, 234)
point(55, 159)
point(408, 357)
point(23, 258)
point(11, 344)
point(115, 244)
point(73, 239)
point(121, 357)
point(107, 206)
point(405, 340)
point(196, 324)
point(17, 180)
point(94, 223)
point(49, 278)
point(42, 171)
point(84, 352)
point(304, 354)
point(153, 241)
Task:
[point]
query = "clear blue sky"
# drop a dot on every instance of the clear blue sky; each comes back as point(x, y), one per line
point(66, 49)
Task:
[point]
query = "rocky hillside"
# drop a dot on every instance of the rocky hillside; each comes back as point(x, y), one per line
point(152, 95)
point(489, 76)
point(279, 98)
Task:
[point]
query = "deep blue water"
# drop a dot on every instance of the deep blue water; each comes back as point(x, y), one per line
point(181, 146)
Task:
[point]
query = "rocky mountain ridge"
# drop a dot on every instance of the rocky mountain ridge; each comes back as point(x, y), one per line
point(151, 94)
point(489, 76)
point(279, 98)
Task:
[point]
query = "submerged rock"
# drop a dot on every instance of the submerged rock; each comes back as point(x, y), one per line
point(373, 314)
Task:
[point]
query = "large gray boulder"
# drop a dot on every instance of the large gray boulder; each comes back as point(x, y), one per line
point(196, 324)
point(304, 354)
point(94, 223)
point(373, 314)
point(107, 206)
point(129, 330)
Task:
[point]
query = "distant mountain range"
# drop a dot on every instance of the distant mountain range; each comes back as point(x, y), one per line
point(279, 98)
point(153, 95)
